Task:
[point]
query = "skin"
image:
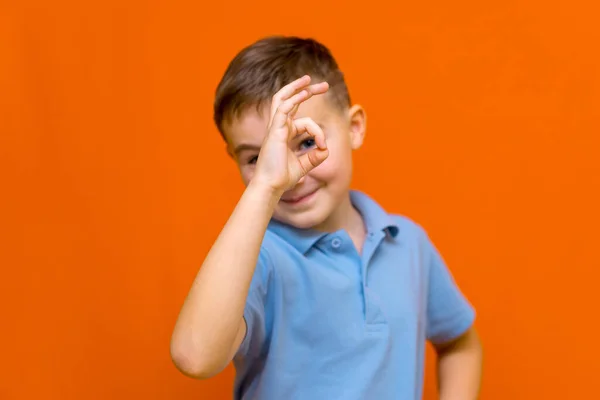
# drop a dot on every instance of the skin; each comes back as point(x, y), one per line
point(295, 158)
point(320, 199)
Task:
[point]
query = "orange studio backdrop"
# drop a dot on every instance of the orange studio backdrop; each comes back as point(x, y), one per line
point(483, 127)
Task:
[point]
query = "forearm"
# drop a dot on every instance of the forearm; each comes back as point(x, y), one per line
point(212, 314)
point(460, 368)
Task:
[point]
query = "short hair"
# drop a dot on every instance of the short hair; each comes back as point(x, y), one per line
point(261, 69)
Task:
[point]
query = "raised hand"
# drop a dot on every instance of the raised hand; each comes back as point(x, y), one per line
point(278, 166)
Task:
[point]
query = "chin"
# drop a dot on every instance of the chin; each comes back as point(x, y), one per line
point(303, 220)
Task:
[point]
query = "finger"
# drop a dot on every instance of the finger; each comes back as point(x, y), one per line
point(292, 113)
point(316, 89)
point(281, 116)
point(292, 130)
point(312, 128)
point(286, 92)
point(313, 159)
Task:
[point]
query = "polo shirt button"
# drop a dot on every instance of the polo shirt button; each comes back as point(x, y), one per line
point(336, 243)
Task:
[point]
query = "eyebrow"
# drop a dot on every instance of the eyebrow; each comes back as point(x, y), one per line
point(245, 146)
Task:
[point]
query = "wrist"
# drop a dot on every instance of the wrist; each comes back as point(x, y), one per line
point(265, 193)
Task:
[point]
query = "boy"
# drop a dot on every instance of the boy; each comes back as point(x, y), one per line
point(312, 289)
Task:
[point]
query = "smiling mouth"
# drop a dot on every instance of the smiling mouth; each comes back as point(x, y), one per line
point(300, 199)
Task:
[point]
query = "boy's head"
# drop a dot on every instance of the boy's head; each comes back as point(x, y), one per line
point(241, 112)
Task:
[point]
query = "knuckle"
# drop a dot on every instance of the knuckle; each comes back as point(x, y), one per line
point(307, 121)
point(286, 106)
point(281, 109)
point(310, 124)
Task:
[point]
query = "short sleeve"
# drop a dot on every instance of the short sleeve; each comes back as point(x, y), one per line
point(254, 311)
point(449, 314)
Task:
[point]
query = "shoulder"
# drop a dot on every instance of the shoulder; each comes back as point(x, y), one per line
point(407, 224)
point(377, 215)
point(274, 251)
point(273, 247)
point(409, 229)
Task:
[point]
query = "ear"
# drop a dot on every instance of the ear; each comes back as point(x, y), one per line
point(357, 118)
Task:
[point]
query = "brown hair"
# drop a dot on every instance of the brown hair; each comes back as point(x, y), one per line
point(260, 70)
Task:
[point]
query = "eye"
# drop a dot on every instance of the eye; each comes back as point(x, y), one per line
point(252, 160)
point(307, 144)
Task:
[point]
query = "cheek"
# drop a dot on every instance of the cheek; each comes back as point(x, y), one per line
point(337, 167)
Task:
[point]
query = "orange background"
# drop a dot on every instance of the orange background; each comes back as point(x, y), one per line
point(483, 127)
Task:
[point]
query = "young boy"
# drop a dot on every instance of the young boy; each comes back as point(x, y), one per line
point(312, 289)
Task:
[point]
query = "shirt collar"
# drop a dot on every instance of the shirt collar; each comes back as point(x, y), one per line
point(375, 217)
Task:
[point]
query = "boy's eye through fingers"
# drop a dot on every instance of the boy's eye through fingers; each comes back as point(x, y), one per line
point(302, 141)
point(311, 157)
point(307, 144)
point(312, 131)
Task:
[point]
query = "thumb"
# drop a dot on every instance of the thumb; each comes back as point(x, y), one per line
point(313, 159)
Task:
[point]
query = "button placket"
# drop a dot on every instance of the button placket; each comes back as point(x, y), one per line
point(374, 240)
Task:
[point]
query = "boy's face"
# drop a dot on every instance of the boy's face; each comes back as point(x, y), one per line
point(316, 199)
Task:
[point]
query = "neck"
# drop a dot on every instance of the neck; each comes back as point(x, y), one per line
point(345, 217)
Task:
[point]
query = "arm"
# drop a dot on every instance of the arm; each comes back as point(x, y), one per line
point(210, 326)
point(459, 367)
point(450, 329)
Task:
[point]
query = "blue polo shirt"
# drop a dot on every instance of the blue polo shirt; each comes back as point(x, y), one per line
point(325, 322)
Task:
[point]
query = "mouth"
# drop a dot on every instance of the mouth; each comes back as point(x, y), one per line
point(300, 199)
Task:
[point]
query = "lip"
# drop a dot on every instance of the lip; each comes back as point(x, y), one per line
point(301, 199)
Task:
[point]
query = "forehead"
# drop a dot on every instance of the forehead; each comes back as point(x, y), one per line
point(250, 127)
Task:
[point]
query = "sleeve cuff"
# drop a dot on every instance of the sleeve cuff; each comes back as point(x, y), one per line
point(245, 345)
point(453, 328)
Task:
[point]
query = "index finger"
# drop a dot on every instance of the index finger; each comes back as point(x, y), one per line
point(286, 92)
point(285, 110)
point(284, 113)
point(315, 89)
